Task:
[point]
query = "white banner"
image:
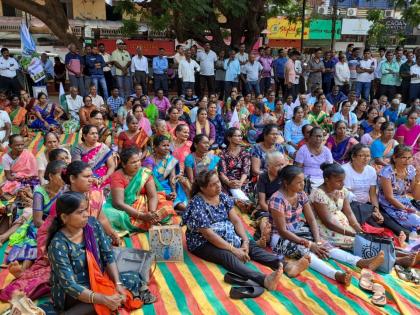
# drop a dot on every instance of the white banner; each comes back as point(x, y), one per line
point(36, 70)
point(355, 26)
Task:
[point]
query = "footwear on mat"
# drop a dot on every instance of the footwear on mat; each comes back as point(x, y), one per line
point(366, 280)
point(246, 292)
point(233, 278)
point(379, 295)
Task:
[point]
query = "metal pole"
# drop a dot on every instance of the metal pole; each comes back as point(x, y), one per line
point(302, 33)
point(334, 19)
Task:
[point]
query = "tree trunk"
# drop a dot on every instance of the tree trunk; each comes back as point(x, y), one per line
point(52, 14)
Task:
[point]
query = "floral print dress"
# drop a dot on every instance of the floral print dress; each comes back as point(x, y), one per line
point(235, 166)
point(335, 208)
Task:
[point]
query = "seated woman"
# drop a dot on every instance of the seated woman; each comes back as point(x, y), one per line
point(256, 123)
point(306, 130)
point(133, 137)
point(123, 112)
point(78, 249)
point(311, 155)
point(173, 120)
point(294, 237)
point(235, 166)
point(181, 146)
point(382, 148)
point(293, 130)
point(86, 110)
point(20, 167)
point(367, 124)
point(165, 171)
point(340, 143)
point(268, 183)
point(409, 133)
point(24, 240)
point(279, 114)
point(317, 117)
point(348, 117)
point(395, 182)
point(96, 118)
point(47, 114)
point(369, 137)
point(266, 143)
point(200, 158)
point(144, 123)
point(17, 114)
point(361, 110)
point(215, 233)
point(218, 122)
point(183, 111)
point(60, 154)
point(96, 154)
point(134, 205)
point(203, 126)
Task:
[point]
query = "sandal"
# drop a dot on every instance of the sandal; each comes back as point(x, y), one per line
point(147, 297)
point(379, 296)
point(366, 280)
point(407, 274)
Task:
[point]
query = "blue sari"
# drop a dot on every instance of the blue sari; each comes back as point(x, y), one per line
point(47, 114)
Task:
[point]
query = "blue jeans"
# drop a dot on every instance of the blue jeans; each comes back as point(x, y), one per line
point(124, 85)
point(363, 89)
point(95, 79)
point(253, 86)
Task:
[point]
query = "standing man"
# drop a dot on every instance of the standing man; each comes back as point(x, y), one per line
point(220, 74)
point(399, 59)
point(291, 78)
point(316, 68)
point(207, 60)
point(178, 57)
point(279, 65)
point(377, 73)
point(86, 70)
point(186, 71)
point(122, 62)
point(140, 68)
point(389, 71)
point(415, 80)
point(365, 69)
point(233, 71)
point(160, 70)
point(107, 69)
point(8, 74)
point(267, 62)
point(406, 77)
point(48, 66)
point(252, 70)
point(95, 63)
point(328, 75)
point(74, 66)
point(243, 57)
point(353, 62)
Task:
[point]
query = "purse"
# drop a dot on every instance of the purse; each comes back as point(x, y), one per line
point(134, 260)
point(166, 243)
point(362, 211)
point(368, 246)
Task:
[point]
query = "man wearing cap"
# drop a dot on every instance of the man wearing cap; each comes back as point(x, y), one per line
point(160, 69)
point(122, 62)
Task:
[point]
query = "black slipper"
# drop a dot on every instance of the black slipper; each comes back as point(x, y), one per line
point(233, 278)
point(246, 292)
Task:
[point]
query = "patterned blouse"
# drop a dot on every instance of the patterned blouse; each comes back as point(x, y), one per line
point(258, 152)
point(220, 127)
point(199, 214)
point(235, 166)
point(278, 202)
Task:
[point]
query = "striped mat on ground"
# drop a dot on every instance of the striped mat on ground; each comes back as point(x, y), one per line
point(197, 287)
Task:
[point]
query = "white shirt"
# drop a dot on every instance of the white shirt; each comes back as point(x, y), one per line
point(242, 58)
point(207, 61)
point(359, 184)
point(178, 58)
point(74, 105)
point(98, 101)
point(365, 76)
point(139, 64)
point(8, 67)
point(298, 70)
point(107, 58)
point(415, 69)
point(341, 73)
point(187, 69)
point(4, 119)
point(252, 71)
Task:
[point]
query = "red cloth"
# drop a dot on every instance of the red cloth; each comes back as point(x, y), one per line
point(384, 232)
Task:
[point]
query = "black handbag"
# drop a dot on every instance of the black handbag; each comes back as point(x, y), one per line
point(362, 211)
point(134, 260)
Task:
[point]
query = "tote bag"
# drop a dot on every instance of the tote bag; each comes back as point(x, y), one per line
point(368, 246)
point(166, 243)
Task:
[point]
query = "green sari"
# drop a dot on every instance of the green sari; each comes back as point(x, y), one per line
point(322, 120)
point(136, 196)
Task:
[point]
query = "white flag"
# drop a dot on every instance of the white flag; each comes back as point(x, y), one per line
point(61, 92)
point(234, 121)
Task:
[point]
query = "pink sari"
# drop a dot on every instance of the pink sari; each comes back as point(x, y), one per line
point(411, 136)
point(97, 158)
point(25, 169)
point(144, 124)
point(181, 153)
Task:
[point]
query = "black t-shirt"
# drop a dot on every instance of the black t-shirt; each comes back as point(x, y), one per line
point(265, 186)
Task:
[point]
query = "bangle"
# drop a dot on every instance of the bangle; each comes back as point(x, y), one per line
point(230, 247)
point(118, 283)
point(91, 295)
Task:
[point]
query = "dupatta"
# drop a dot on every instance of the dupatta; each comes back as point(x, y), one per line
point(96, 158)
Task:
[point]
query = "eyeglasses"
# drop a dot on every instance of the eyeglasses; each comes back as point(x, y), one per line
point(363, 156)
point(406, 158)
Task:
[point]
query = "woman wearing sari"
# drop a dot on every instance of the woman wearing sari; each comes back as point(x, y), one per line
point(346, 115)
point(84, 275)
point(20, 167)
point(144, 123)
point(181, 146)
point(35, 281)
point(47, 114)
point(369, 137)
point(319, 118)
point(173, 120)
point(134, 204)
point(133, 137)
point(200, 158)
point(382, 148)
point(96, 118)
point(203, 126)
point(166, 172)
point(17, 114)
point(367, 125)
point(124, 111)
point(256, 123)
point(96, 154)
point(86, 110)
point(409, 133)
point(340, 144)
point(218, 122)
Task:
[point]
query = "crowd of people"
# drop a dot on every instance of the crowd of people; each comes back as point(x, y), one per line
point(297, 144)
